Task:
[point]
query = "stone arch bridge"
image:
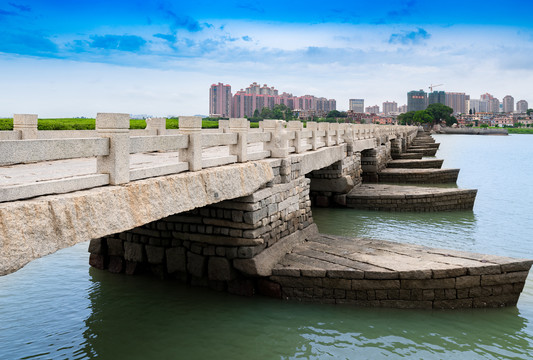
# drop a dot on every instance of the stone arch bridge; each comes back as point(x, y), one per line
point(231, 209)
point(60, 188)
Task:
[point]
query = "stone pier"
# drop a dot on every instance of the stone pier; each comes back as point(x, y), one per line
point(372, 273)
point(216, 245)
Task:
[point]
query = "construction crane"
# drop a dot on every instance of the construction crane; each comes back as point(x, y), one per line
point(433, 86)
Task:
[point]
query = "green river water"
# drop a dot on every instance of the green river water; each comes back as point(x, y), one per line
point(58, 307)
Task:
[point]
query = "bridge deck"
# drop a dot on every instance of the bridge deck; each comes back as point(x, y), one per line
point(382, 273)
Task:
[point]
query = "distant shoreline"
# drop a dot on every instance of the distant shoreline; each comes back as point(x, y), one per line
point(472, 131)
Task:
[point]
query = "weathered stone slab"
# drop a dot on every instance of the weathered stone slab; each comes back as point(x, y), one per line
point(176, 260)
point(133, 252)
point(155, 254)
point(219, 268)
point(429, 284)
point(506, 278)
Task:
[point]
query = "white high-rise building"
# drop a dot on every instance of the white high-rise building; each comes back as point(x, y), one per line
point(457, 101)
point(521, 106)
point(390, 107)
point(357, 105)
point(508, 104)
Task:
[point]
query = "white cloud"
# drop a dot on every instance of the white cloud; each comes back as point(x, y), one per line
point(335, 61)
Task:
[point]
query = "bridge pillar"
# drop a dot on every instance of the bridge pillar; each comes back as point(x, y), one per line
point(313, 127)
point(115, 127)
point(279, 143)
point(239, 126)
point(192, 126)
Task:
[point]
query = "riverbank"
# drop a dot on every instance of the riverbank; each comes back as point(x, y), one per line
point(520, 130)
point(472, 131)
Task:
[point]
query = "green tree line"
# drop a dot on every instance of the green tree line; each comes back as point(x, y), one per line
point(280, 112)
point(434, 114)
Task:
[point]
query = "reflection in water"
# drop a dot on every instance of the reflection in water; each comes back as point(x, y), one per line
point(139, 317)
point(43, 306)
point(445, 230)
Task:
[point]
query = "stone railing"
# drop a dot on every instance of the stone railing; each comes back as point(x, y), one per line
point(112, 143)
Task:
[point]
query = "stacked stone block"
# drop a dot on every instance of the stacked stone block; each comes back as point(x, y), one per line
point(416, 164)
point(419, 176)
point(493, 286)
point(397, 146)
point(375, 160)
point(423, 201)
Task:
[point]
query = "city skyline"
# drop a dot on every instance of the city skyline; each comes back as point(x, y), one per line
point(244, 102)
point(78, 58)
point(460, 102)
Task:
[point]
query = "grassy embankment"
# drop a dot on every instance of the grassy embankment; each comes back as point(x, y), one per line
point(88, 124)
point(510, 130)
point(520, 130)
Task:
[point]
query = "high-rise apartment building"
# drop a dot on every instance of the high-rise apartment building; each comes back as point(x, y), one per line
point(479, 106)
point(220, 100)
point(508, 104)
point(402, 109)
point(357, 105)
point(492, 103)
point(457, 101)
point(390, 107)
point(255, 97)
point(521, 106)
point(372, 109)
point(417, 100)
point(437, 97)
point(474, 105)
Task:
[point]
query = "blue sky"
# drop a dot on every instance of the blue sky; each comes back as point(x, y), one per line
point(76, 58)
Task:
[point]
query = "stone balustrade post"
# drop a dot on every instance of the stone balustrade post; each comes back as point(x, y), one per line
point(324, 126)
point(241, 127)
point(334, 128)
point(26, 125)
point(192, 126)
point(115, 127)
point(159, 125)
point(348, 137)
point(355, 128)
point(297, 127)
point(223, 126)
point(313, 126)
point(279, 142)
